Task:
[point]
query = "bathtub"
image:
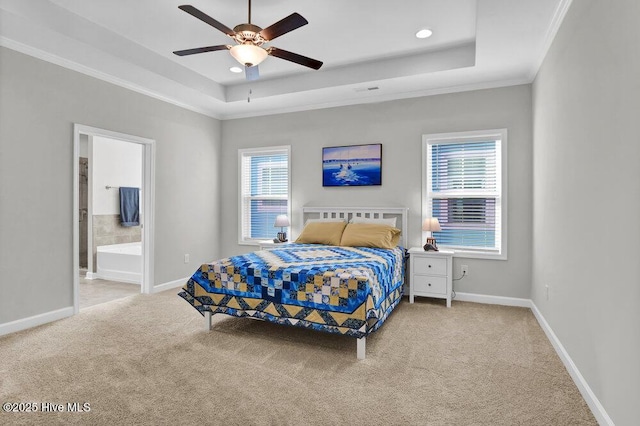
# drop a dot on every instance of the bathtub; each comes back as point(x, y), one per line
point(120, 262)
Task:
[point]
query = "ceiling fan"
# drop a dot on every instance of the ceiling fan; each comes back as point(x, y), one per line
point(249, 50)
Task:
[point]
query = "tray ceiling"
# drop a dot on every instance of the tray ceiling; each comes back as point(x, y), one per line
point(369, 49)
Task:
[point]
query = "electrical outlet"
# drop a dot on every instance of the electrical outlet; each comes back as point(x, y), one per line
point(186, 258)
point(464, 269)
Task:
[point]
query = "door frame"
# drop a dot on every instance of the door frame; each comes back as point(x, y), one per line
point(148, 185)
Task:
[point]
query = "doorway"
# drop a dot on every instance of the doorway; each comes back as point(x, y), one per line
point(91, 144)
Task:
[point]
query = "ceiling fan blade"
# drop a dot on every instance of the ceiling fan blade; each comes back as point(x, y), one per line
point(201, 50)
point(252, 73)
point(207, 19)
point(283, 26)
point(294, 57)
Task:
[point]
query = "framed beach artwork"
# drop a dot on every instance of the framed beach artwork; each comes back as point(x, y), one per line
point(352, 165)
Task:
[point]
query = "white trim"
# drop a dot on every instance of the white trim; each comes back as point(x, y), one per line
point(455, 88)
point(74, 66)
point(475, 255)
point(492, 300)
point(552, 31)
point(148, 182)
point(585, 390)
point(148, 230)
point(223, 115)
point(592, 401)
point(36, 320)
point(76, 221)
point(502, 190)
point(169, 285)
point(90, 265)
point(266, 150)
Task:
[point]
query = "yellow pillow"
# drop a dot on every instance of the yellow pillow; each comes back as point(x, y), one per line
point(370, 235)
point(322, 233)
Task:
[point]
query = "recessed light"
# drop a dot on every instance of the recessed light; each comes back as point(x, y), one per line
point(235, 69)
point(425, 33)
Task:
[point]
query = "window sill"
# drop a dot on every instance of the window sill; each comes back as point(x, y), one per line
point(476, 255)
point(250, 243)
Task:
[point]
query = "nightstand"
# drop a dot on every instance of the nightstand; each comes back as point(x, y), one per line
point(430, 274)
point(270, 245)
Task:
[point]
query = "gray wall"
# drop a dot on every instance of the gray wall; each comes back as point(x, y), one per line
point(39, 102)
point(587, 198)
point(399, 126)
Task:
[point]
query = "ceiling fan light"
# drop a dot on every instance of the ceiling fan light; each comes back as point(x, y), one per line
point(248, 54)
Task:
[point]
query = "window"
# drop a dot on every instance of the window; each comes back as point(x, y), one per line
point(463, 175)
point(264, 191)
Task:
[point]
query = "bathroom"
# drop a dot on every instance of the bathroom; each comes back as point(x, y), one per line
point(110, 253)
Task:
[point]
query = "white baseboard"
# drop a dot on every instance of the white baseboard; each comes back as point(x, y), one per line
point(24, 323)
point(493, 300)
point(36, 320)
point(590, 398)
point(90, 276)
point(171, 284)
point(592, 401)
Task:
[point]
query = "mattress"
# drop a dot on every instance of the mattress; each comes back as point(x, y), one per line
point(346, 290)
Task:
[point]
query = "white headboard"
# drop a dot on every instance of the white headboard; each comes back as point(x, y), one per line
point(347, 213)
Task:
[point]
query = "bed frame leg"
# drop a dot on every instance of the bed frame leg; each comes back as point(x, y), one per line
point(207, 320)
point(361, 344)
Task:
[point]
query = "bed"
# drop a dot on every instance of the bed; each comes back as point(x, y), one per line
point(344, 289)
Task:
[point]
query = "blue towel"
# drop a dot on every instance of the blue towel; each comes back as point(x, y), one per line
point(129, 206)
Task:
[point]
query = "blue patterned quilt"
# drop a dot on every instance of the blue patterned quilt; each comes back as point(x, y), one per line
point(346, 290)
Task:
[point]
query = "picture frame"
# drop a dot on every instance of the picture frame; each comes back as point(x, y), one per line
point(352, 165)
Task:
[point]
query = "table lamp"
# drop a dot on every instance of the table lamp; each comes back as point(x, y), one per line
point(282, 221)
point(431, 224)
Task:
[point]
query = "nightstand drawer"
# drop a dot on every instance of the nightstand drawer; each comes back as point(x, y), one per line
point(429, 284)
point(429, 265)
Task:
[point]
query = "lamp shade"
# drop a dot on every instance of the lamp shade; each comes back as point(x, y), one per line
point(431, 224)
point(281, 221)
point(248, 54)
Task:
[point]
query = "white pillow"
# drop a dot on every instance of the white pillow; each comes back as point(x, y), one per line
point(391, 221)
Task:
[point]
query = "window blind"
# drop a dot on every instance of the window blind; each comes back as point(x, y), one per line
point(264, 191)
point(464, 193)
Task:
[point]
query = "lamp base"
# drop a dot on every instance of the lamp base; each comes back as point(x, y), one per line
point(282, 237)
point(430, 245)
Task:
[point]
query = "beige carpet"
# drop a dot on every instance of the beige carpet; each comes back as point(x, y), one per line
point(147, 360)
